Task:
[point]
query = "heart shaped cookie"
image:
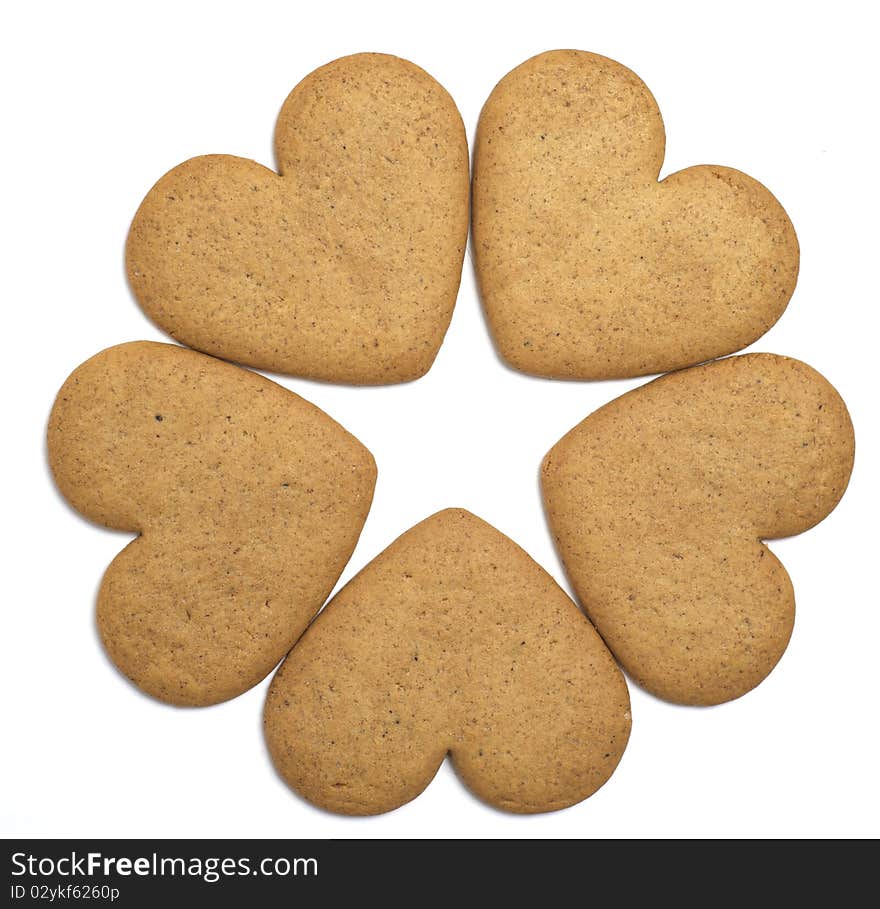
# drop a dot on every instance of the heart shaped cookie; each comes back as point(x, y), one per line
point(452, 641)
point(248, 501)
point(659, 502)
point(346, 266)
point(588, 267)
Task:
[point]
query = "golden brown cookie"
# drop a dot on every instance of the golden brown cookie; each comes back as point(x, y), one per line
point(659, 502)
point(588, 267)
point(346, 267)
point(452, 641)
point(247, 499)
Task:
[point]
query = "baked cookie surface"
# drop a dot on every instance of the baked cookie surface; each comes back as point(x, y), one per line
point(450, 641)
point(248, 501)
point(343, 268)
point(589, 268)
point(660, 500)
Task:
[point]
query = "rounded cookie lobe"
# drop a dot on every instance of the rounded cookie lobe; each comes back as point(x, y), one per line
point(247, 498)
point(343, 268)
point(659, 501)
point(590, 268)
point(450, 641)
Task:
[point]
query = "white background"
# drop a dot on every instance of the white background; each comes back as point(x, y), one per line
point(98, 102)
